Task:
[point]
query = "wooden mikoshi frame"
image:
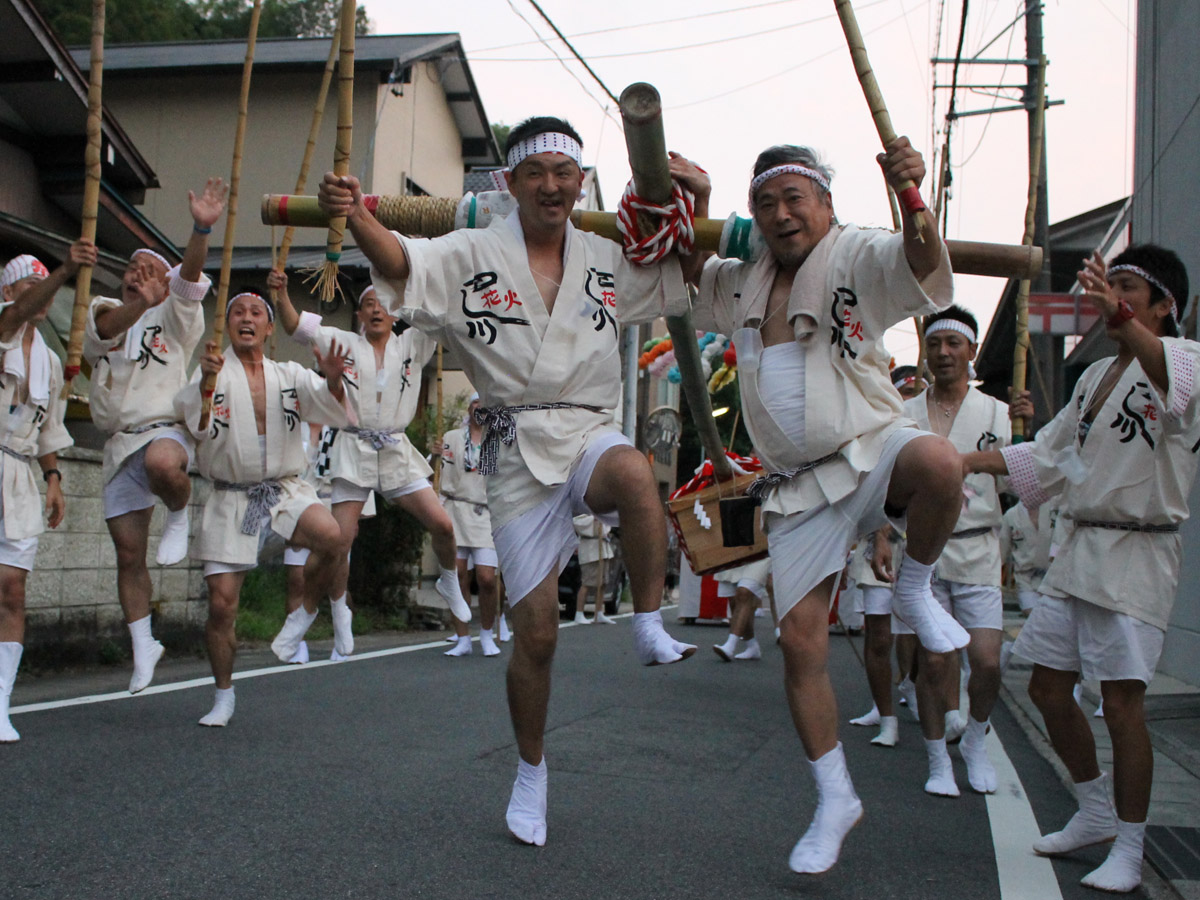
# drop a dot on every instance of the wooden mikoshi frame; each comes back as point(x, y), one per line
point(1021, 348)
point(426, 217)
point(91, 196)
point(235, 176)
point(705, 547)
point(641, 111)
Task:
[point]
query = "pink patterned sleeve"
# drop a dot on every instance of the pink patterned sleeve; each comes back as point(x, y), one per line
point(1022, 475)
point(1181, 373)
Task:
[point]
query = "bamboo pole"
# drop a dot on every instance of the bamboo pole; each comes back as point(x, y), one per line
point(917, 326)
point(1021, 348)
point(641, 111)
point(910, 195)
point(411, 217)
point(327, 284)
point(439, 426)
point(91, 196)
point(235, 177)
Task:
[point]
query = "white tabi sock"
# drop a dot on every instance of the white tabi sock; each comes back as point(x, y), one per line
point(301, 656)
point(343, 635)
point(173, 545)
point(651, 643)
point(889, 732)
point(914, 604)
point(1077, 693)
point(838, 810)
point(1099, 713)
point(487, 644)
point(10, 660)
point(727, 649)
point(447, 585)
point(871, 718)
point(526, 814)
point(908, 693)
point(981, 774)
point(955, 724)
point(295, 626)
point(462, 647)
point(505, 633)
point(751, 650)
point(581, 619)
point(1121, 872)
point(222, 710)
point(602, 619)
point(941, 781)
point(1094, 823)
point(146, 654)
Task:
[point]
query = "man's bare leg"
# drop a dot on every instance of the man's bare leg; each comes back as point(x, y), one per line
point(741, 628)
point(130, 536)
point(316, 531)
point(425, 507)
point(877, 657)
point(12, 640)
point(926, 482)
point(462, 630)
point(936, 671)
point(224, 590)
point(804, 639)
point(166, 463)
point(622, 481)
point(983, 689)
point(346, 514)
point(535, 636)
point(489, 606)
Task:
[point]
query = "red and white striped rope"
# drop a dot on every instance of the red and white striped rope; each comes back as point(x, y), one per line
point(675, 228)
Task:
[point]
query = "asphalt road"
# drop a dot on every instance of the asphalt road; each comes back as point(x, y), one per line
point(389, 776)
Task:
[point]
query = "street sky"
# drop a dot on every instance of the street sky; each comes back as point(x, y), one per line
point(740, 76)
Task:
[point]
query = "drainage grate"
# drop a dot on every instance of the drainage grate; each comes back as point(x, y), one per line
point(1175, 852)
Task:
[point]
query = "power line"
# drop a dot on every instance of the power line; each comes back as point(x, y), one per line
point(583, 62)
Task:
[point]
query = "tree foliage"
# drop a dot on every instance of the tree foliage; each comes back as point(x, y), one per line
point(143, 21)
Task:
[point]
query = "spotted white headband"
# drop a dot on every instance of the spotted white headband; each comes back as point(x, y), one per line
point(546, 142)
point(1139, 271)
point(146, 251)
point(760, 180)
point(952, 325)
point(23, 266)
point(265, 302)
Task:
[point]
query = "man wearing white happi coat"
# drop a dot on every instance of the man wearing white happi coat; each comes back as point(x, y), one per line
point(31, 427)
point(464, 496)
point(253, 453)
point(139, 347)
point(531, 307)
point(1025, 542)
point(967, 575)
point(383, 384)
point(1120, 458)
point(807, 319)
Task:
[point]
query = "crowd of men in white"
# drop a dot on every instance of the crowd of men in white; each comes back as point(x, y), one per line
point(916, 481)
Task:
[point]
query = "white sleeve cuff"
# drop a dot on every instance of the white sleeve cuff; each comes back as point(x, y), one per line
point(1022, 475)
point(188, 290)
point(306, 331)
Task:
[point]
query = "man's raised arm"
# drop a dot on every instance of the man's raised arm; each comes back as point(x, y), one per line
point(903, 163)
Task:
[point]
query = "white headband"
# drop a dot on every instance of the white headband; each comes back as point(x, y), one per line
point(265, 302)
point(546, 142)
point(952, 325)
point(1139, 271)
point(760, 180)
point(23, 266)
point(148, 252)
point(369, 287)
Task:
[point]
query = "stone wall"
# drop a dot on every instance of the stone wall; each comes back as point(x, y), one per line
point(72, 611)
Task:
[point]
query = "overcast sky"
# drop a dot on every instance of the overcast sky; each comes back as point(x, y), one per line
point(735, 82)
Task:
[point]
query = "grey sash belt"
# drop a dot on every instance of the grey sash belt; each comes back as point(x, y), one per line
point(500, 424)
point(1128, 526)
point(263, 496)
point(764, 483)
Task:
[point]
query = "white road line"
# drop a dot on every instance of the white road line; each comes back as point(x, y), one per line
point(89, 699)
point(1023, 874)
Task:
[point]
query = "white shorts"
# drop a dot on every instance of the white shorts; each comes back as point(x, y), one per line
point(972, 605)
point(808, 547)
point(541, 541)
point(19, 553)
point(129, 490)
point(1028, 598)
point(344, 490)
point(726, 589)
point(479, 556)
point(877, 601)
point(295, 556)
point(1072, 635)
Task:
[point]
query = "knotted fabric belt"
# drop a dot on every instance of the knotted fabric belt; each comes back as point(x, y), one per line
point(142, 429)
point(764, 483)
point(1127, 526)
point(263, 495)
point(480, 508)
point(377, 436)
point(9, 451)
point(971, 532)
point(500, 424)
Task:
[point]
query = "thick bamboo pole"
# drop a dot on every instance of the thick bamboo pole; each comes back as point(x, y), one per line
point(1021, 350)
point(91, 195)
point(966, 257)
point(327, 283)
point(641, 110)
point(235, 177)
point(438, 426)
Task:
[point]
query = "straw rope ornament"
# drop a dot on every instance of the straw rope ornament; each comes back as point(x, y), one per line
point(91, 197)
point(910, 195)
point(326, 274)
point(218, 330)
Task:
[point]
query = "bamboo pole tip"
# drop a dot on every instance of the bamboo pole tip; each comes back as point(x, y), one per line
point(640, 103)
